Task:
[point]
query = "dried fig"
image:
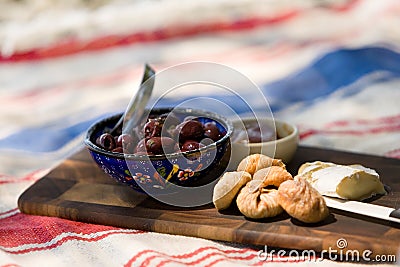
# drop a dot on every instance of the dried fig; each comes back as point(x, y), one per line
point(257, 203)
point(274, 175)
point(301, 201)
point(255, 162)
point(228, 187)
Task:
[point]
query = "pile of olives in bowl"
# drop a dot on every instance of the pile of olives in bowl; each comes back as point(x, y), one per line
point(163, 134)
point(181, 147)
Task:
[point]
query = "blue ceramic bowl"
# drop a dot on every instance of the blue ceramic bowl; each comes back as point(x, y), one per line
point(155, 174)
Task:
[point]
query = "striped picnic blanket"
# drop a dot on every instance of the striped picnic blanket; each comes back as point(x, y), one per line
point(330, 67)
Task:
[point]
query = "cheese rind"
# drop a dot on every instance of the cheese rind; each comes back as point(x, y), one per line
point(354, 182)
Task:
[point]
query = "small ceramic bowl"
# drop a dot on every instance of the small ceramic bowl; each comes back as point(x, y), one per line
point(154, 174)
point(283, 147)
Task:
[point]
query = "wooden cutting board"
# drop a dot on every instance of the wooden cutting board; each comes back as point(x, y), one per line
point(78, 190)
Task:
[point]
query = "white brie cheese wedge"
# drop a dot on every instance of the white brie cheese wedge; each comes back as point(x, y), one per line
point(354, 182)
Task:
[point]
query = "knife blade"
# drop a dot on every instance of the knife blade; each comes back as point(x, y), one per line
point(362, 208)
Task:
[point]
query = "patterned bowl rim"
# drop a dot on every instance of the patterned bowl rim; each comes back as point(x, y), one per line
point(227, 124)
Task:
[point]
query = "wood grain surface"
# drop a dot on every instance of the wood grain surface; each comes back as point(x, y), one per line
point(78, 190)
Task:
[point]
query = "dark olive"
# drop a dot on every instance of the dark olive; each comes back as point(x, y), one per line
point(153, 128)
point(261, 134)
point(141, 147)
point(189, 130)
point(254, 135)
point(159, 145)
point(118, 149)
point(124, 140)
point(211, 131)
point(156, 134)
point(106, 141)
point(170, 124)
point(190, 145)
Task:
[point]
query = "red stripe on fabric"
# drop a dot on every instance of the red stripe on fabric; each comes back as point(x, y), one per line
point(8, 212)
point(305, 134)
point(214, 262)
point(44, 93)
point(289, 259)
point(179, 258)
point(393, 153)
point(73, 46)
point(23, 229)
point(345, 7)
point(374, 130)
point(10, 265)
point(204, 258)
point(183, 258)
point(33, 176)
point(35, 95)
point(134, 258)
point(381, 120)
point(69, 238)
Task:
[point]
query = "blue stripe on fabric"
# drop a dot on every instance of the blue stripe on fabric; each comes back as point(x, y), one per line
point(330, 73)
point(45, 138)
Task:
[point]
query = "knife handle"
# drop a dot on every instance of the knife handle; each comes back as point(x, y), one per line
point(395, 214)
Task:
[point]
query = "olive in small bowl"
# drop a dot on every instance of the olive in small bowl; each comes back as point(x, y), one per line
point(272, 137)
